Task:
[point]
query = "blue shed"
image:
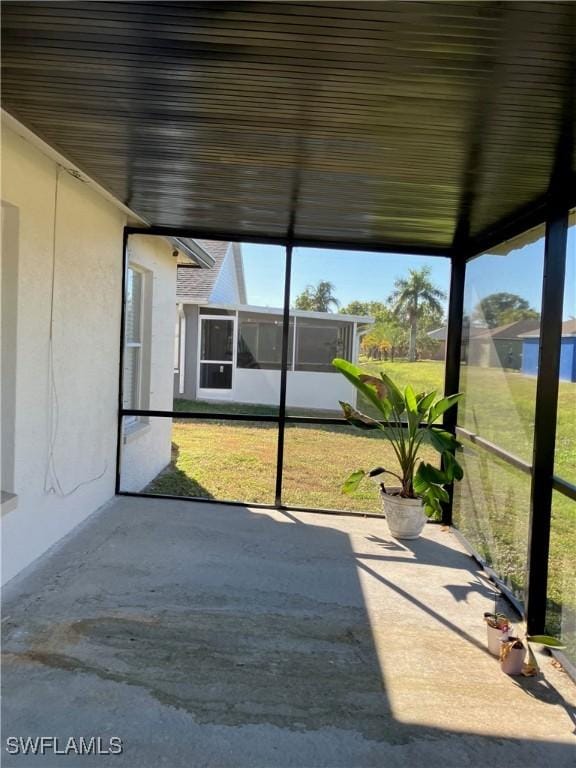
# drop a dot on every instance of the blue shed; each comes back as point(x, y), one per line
point(531, 343)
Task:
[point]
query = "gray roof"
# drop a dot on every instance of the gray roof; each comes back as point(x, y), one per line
point(568, 329)
point(514, 330)
point(195, 284)
point(441, 334)
point(189, 252)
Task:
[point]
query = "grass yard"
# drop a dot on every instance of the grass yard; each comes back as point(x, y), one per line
point(237, 461)
point(498, 405)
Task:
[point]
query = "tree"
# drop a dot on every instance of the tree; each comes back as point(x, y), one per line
point(383, 340)
point(376, 309)
point(502, 308)
point(318, 298)
point(414, 299)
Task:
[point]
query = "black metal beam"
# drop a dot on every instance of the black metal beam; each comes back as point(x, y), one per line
point(545, 420)
point(564, 487)
point(212, 416)
point(256, 505)
point(521, 220)
point(487, 445)
point(283, 378)
point(120, 415)
point(263, 239)
point(270, 418)
point(453, 346)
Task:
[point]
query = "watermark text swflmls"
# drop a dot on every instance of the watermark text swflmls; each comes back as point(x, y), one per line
point(73, 745)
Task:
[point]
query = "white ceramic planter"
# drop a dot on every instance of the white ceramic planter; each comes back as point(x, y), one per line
point(514, 661)
point(494, 636)
point(405, 517)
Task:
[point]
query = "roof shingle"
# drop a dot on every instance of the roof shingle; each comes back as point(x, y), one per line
point(196, 284)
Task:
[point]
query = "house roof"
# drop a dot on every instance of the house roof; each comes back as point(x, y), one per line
point(440, 334)
point(367, 123)
point(568, 329)
point(512, 330)
point(508, 331)
point(302, 313)
point(195, 285)
point(189, 251)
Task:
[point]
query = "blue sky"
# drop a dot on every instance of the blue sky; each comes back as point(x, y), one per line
point(355, 275)
point(370, 276)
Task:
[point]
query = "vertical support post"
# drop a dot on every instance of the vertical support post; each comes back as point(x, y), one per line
point(283, 377)
point(545, 419)
point(125, 237)
point(453, 347)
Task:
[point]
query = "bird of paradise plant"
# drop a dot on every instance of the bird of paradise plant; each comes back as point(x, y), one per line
point(408, 422)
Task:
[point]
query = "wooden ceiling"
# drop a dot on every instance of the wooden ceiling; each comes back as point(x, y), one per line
point(381, 123)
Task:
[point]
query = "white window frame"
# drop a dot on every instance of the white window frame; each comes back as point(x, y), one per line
point(223, 394)
point(180, 347)
point(130, 422)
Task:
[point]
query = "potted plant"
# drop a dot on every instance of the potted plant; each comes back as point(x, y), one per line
point(407, 422)
point(498, 628)
point(513, 652)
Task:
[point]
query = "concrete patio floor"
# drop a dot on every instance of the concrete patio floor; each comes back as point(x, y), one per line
point(204, 635)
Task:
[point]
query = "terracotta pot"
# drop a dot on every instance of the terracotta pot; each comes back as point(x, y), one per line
point(513, 661)
point(494, 636)
point(405, 517)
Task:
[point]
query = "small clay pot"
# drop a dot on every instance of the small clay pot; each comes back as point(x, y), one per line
point(494, 637)
point(512, 658)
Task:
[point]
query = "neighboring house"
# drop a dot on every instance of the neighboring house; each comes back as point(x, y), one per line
point(531, 347)
point(61, 288)
point(439, 335)
point(500, 347)
point(227, 350)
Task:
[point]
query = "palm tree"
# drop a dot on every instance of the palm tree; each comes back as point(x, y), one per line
point(412, 296)
point(317, 298)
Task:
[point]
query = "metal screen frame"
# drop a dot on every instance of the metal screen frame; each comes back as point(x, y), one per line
point(555, 217)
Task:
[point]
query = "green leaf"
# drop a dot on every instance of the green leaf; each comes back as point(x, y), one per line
point(419, 484)
point(410, 399)
point(425, 401)
point(441, 440)
point(547, 640)
point(437, 492)
point(430, 474)
point(352, 483)
point(354, 376)
point(394, 395)
point(451, 467)
point(443, 405)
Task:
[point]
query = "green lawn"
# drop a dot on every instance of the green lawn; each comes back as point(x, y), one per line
point(237, 461)
point(498, 405)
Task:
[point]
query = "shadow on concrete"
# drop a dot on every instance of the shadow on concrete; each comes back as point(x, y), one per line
point(221, 636)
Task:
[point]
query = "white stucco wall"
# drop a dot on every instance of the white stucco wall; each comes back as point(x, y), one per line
point(54, 495)
point(66, 390)
point(146, 447)
point(303, 389)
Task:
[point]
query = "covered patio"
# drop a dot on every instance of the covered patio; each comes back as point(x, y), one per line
point(248, 631)
point(212, 635)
